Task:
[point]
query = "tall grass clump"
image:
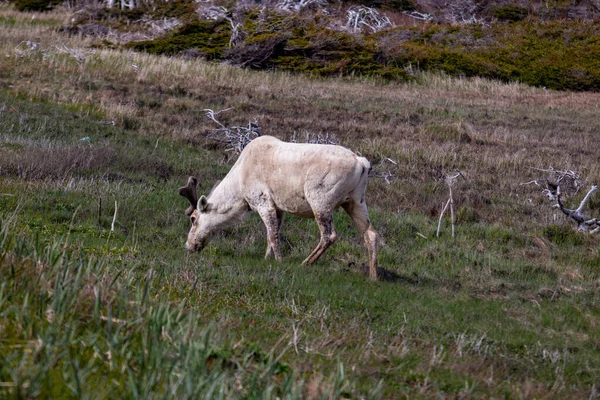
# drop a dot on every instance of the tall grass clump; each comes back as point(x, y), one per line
point(76, 326)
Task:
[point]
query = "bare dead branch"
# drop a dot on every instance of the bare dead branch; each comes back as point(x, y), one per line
point(593, 189)
point(78, 54)
point(299, 5)
point(112, 225)
point(215, 13)
point(566, 178)
point(361, 16)
point(387, 170)
point(450, 181)
point(235, 137)
point(418, 15)
point(583, 224)
point(444, 208)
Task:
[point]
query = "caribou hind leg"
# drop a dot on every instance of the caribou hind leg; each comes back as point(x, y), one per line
point(360, 217)
point(328, 236)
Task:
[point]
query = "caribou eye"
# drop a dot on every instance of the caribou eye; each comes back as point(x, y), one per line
point(193, 219)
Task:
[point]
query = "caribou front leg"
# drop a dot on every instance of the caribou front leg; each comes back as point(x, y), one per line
point(272, 219)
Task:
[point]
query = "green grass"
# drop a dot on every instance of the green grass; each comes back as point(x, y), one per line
point(87, 311)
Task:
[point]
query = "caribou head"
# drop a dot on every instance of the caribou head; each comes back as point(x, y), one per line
point(204, 217)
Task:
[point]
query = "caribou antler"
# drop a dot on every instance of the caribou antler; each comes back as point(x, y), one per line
point(189, 192)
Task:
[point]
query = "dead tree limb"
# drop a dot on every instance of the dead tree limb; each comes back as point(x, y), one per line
point(567, 178)
point(112, 226)
point(235, 137)
point(583, 224)
point(569, 182)
point(419, 16)
point(386, 169)
point(450, 181)
point(299, 5)
point(361, 16)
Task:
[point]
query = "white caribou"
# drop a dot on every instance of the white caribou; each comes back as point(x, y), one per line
point(272, 177)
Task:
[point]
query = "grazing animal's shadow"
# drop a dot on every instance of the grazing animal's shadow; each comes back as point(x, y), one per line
point(386, 275)
point(383, 274)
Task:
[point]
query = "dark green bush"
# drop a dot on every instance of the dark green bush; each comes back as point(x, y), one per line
point(395, 5)
point(183, 9)
point(36, 5)
point(512, 13)
point(208, 39)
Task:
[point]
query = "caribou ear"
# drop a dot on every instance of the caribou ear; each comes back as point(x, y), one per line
point(202, 203)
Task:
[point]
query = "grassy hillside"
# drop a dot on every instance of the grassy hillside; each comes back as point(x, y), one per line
point(509, 308)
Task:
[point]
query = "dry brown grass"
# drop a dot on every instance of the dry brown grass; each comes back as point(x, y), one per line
point(497, 134)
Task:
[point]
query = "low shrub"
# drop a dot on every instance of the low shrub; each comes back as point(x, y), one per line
point(183, 9)
point(36, 5)
point(561, 55)
point(208, 39)
point(511, 13)
point(395, 5)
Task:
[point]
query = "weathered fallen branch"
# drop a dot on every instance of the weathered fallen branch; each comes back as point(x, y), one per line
point(235, 137)
point(78, 54)
point(418, 15)
point(387, 170)
point(553, 189)
point(566, 178)
point(299, 5)
point(361, 16)
point(583, 223)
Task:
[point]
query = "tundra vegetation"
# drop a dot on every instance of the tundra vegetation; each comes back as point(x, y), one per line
point(509, 307)
point(547, 44)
